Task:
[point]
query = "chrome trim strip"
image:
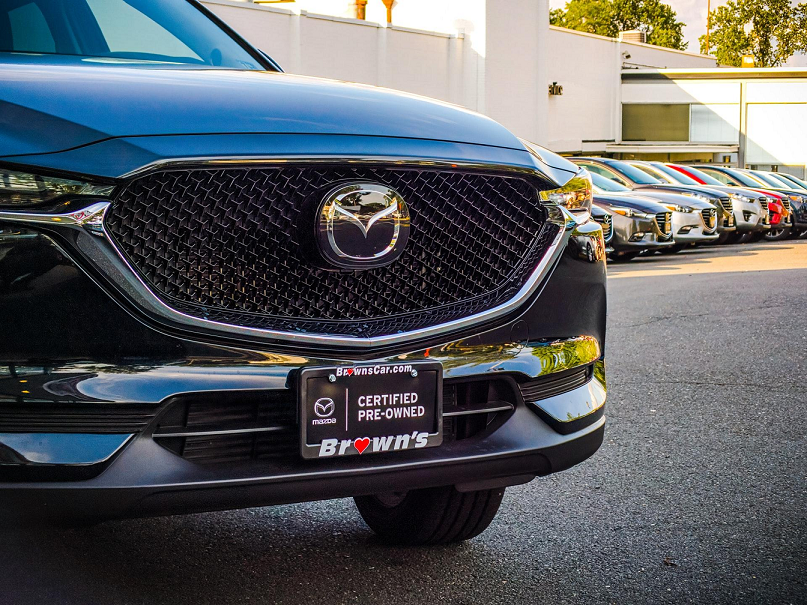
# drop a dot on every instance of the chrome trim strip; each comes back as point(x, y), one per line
point(501, 408)
point(261, 429)
point(110, 261)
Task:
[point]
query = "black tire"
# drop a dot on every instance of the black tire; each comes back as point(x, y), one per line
point(674, 249)
point(724, 237)
point(623, 257)
point(438, 515)
point(777, 235)
point(744, 238)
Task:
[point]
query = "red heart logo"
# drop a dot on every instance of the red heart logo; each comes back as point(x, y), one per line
point(361, 444)
point(349, 371)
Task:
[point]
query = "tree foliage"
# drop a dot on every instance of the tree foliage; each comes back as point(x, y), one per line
point(609, 17)
point(770, 30)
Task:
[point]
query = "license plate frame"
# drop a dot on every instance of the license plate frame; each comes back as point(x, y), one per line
point(328, 400)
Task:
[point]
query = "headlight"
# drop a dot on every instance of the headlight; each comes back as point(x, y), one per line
point(21, 188)
point(699, 196)
point(630, 212)
point(795, 198)
point(677, 208)
point(575, 195)
point(740, 198)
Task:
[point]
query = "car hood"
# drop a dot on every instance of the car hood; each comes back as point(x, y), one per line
point(67, 102)
point(668, 197)
point(636, 202)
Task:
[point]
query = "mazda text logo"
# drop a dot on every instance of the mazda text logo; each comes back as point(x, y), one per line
point(324, 407)
point(362, 225)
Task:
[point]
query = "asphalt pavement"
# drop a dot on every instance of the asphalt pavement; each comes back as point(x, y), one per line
point(699, 493)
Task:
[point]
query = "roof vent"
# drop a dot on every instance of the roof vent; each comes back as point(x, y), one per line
point(633, 35)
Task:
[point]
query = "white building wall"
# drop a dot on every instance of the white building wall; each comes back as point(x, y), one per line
point(493, 56)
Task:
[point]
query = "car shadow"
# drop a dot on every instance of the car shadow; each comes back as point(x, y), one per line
point(288, 554)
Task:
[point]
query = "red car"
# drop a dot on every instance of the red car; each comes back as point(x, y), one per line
point(776, 208)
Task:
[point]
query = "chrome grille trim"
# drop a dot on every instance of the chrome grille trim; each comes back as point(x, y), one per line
point(91, 240)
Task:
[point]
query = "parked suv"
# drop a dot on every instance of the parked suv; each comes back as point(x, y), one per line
point(223, 286)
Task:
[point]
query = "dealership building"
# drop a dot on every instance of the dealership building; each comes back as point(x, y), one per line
point(572, 92)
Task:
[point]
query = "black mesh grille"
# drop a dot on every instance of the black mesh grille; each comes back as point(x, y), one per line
point(227, 245)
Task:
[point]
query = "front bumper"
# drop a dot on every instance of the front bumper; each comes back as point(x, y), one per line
point(632, 233)
point(85, 380)
point(750, 217)
point(688, 228)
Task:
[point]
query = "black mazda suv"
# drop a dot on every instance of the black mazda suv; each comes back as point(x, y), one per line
point(222, 286)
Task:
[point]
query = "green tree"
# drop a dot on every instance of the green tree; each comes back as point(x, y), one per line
point(769, 30)
point(609, 17)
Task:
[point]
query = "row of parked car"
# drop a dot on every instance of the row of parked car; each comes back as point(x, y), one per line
point(646, 207)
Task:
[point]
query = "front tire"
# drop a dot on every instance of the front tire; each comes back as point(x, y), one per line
point(777, 235)
point(438, 515)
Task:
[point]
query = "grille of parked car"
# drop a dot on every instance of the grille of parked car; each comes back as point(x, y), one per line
point(227, 245)
point(238, 426)
point(607, 226)
point(709, 219)
point(664, 222)
point(728, 206)
point(786, 204)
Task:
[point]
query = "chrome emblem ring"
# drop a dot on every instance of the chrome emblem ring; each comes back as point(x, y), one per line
point(362, 226)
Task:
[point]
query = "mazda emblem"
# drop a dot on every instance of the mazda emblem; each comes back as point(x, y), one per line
point(362, 225)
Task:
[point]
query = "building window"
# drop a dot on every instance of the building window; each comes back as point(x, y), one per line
point(655, 122)
point(715, 123)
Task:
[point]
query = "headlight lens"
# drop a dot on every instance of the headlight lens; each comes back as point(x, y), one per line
point(740, 198)
point(575, 196)
point(629, 212)
point(699, 196)
point(21, 188)
point(677, 208)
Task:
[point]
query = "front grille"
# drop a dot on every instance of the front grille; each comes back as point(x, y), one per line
point(786, 204)
point(229, 427)
point(607, 226)
point(664, 222)
point(764, 203)
point(72, 417)
point(229, 245)
point(239, 426)
point(709, 219)
point(727, 204)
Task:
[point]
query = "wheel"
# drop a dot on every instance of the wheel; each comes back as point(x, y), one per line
point(437, 515)
point(674, 249)
point(777, 234)
point(623, 257)
point(724, 237)
point(744, 238)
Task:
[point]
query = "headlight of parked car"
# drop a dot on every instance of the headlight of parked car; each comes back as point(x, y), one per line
point(630, 212)
point(699, 196)
point(19, 189)
point(575, 196)
point(740, 198)
point(677, 208)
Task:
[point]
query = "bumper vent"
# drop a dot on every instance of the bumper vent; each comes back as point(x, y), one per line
point(229, 245)
point(75, 418)
point(549, 386)
point(709, 219)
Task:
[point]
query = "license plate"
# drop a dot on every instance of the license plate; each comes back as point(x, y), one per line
point(370, 409)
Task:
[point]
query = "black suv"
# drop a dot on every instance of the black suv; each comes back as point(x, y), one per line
point(222, 286)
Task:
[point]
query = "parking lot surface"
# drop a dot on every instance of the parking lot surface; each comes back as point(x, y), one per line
point(697, 495)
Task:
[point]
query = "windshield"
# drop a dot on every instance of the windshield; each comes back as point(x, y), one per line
point(707, 179)
point(634, 174)
point(163, 31)
point(747, 179)
point(772, 180)
point(600, 182)
point(797, 182)
point(677, 177)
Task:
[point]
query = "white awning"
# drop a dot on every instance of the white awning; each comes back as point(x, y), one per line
point(669, 148)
